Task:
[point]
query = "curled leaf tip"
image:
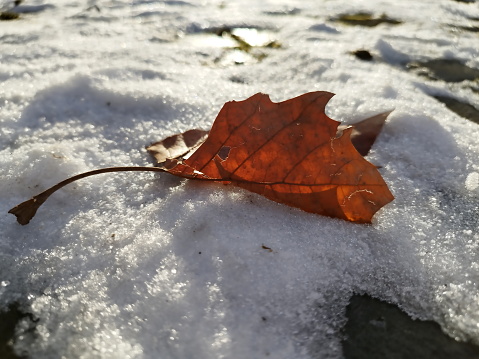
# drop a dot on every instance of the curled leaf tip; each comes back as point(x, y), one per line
point(25, 211)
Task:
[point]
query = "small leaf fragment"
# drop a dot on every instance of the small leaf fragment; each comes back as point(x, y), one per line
point(365, 132)
point(267, 248)
point(177, 146)
point(366, 19)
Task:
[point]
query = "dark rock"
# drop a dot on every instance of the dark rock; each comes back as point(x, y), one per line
point(363, 55)
point(449, 70)
point(461, 108)
point(8, 15)
point(378, 330)
point(8, 321)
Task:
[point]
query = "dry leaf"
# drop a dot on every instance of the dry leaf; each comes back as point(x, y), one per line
point(267, 248)
point(289, 153)
point(177, 146)
point(365, 132)
point(182, 145)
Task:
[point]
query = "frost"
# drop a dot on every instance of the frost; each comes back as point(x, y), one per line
point(472, 181)
point(152, 266)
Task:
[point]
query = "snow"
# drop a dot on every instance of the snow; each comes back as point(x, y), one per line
point(146, 265)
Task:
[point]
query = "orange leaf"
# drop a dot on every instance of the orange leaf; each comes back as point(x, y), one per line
point(289, 153)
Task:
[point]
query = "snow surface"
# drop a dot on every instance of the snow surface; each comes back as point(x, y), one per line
point(150, 266)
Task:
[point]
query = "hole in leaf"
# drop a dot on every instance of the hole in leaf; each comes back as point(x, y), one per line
point(224, 152)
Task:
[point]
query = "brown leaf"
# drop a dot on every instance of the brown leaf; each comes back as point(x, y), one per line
point(177, 146)
point(182, 145)
point(267, 248)
point(289, 153)
point(365, 132)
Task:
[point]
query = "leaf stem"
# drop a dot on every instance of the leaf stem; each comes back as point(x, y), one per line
point(25, 211)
